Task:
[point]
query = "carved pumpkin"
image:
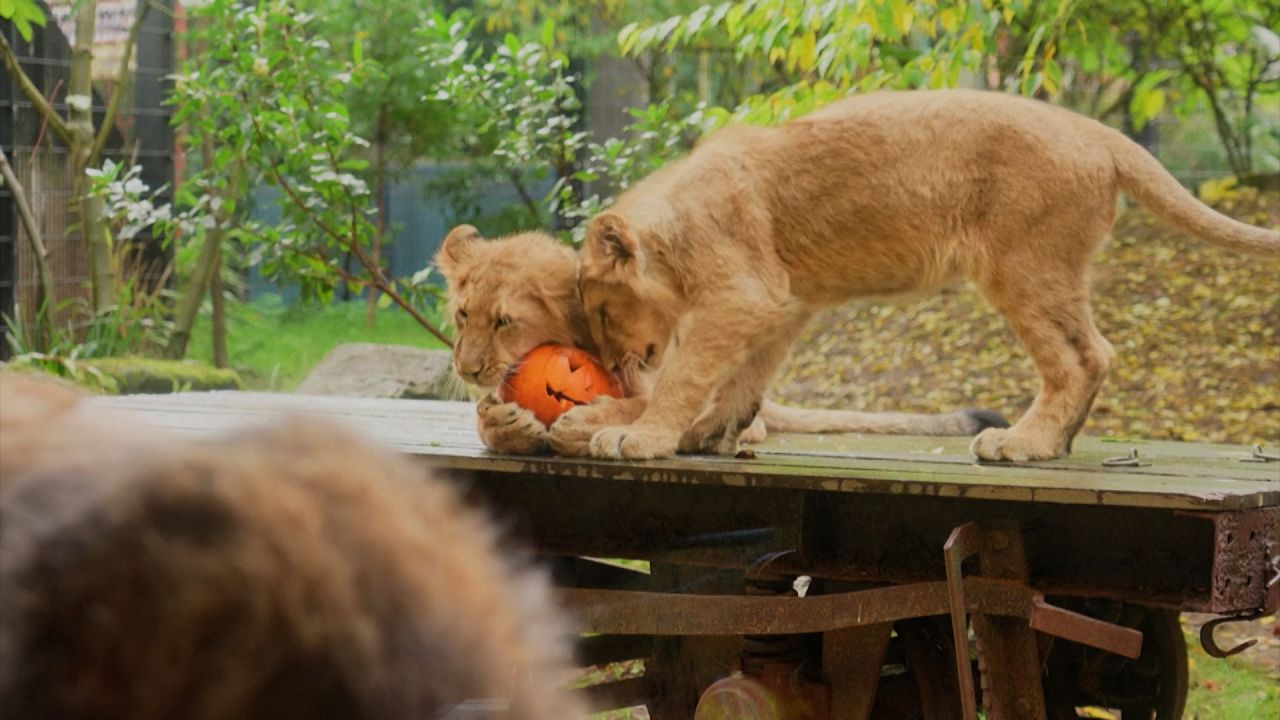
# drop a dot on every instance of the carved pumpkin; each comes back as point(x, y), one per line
point(551, 379)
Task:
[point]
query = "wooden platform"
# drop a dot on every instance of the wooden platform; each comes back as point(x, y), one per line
point(1188, 476)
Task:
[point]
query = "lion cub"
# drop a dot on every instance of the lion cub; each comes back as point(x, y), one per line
point(712, 266)
point(512, 294)
point(287, 572)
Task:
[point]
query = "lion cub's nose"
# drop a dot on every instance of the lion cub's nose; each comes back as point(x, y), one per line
point(469, 372)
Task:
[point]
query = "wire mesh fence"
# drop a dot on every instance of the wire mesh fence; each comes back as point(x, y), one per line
point(141, 134)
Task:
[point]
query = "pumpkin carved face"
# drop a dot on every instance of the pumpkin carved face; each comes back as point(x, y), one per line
point(551, 379)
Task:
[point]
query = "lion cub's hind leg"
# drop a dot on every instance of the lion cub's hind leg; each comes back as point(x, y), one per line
point(1046, 302)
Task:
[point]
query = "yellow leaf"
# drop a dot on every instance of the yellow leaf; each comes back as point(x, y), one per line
point(1008, 15)
point(950, 20)
point(1216, 190)
point(902, 17)
point(973, 36)
point(805, 55)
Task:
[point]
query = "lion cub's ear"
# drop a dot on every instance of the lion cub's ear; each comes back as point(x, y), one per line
point(456, 249)
point(610, 242)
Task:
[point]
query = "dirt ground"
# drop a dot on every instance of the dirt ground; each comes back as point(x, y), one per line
point(1196, 329)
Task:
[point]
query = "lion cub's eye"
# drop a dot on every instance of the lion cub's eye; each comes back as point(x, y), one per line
point(604, 316)
point(462, 317)
point(502, 321)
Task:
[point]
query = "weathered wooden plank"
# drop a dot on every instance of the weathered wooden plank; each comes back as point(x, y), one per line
point(1182, 475)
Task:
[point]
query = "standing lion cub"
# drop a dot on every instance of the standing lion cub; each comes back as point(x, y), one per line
point(711, 267)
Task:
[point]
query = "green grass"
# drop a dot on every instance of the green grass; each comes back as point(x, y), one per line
point(1231, 689)
point(273, 346)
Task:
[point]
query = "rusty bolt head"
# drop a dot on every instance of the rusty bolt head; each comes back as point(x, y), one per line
point(998, 540)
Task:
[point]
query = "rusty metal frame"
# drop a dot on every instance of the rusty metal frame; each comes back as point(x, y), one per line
point(1007, 613)
point(625, 612)
point(1149, 556)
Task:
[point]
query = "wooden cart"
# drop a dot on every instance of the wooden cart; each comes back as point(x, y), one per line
point(933, 586)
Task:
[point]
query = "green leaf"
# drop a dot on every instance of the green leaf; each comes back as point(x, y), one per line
point(357, 50)
point(1052, 76)
point(548, 36)
point(23, 14)
point(1145, 106)
point(384, 301)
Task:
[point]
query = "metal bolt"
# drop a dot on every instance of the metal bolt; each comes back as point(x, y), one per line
point(998, 540)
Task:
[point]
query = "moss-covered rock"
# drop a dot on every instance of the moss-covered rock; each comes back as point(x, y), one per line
point(148, 375)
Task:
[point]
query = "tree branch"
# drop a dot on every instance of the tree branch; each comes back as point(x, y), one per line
point(525, 197)
point(33, 94)
point(113, 104)
point(378, 279)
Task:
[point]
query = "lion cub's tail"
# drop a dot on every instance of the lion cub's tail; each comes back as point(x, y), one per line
point(1143, 177)
point(780, 419)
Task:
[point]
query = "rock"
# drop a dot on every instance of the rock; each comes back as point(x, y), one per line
point(386, 371)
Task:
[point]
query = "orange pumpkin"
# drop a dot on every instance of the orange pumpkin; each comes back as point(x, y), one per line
point(551, 379)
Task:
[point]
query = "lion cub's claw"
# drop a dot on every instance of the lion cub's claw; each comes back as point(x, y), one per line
point(631, 442)
point(1012, 445)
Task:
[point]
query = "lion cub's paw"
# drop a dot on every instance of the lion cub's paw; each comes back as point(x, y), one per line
point(634, 442)
point(755, 432)
point(509, 429)
point(571, 433)
point(1012, 445)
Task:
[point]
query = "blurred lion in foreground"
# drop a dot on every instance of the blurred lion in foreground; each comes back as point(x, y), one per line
point(289, 572)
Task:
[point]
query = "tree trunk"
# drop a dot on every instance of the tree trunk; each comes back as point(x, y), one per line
point(192, 294)
point(219, 313)
point(379, 190)
point(44, 277)
point(80, 124)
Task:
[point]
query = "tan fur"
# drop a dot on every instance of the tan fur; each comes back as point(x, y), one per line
point(531, 280)
point(715, 263)
point(287, 572)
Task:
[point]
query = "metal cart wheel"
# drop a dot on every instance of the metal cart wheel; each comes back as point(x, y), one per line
point(1153, 687)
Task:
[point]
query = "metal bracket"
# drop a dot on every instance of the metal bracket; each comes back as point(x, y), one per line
point(1130, 460)
point(964, 541)
point(1211, 646)
point(1259, 456)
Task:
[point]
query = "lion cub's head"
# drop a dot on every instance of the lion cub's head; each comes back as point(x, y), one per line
point(506, 297)
point(629, 303)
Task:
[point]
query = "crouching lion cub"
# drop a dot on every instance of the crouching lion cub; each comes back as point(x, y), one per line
point(509, 295)
point(712, 265)
point(290, 572)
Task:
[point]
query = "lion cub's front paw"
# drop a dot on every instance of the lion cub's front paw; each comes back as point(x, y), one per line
point(509, 429)
point(634, 442)
point(1012, 445)
point(570, 434)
